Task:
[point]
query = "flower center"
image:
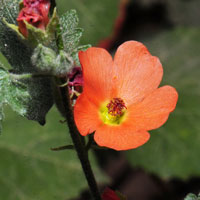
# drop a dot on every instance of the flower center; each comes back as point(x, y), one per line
point(116, 107)
point(113, 112)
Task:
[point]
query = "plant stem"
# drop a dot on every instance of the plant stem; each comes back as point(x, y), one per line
point(27, 76)
point(78, 144)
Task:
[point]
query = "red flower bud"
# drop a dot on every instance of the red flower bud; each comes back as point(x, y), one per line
point(36, 13)
point(32, 16)
point(34, 3)
point(44, 10)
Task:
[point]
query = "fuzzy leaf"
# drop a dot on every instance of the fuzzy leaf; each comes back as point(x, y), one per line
point(18, 55)
point(70, 33)
point(173, 150)
point(13, 93)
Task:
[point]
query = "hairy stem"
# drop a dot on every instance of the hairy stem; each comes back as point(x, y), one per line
point(28, 76)
point(78, 144)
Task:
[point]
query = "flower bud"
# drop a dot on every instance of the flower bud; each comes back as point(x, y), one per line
point(35, 12)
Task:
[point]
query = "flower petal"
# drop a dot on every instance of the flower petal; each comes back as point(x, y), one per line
point(154, 110)
point(97, 67)
point(120, 137)
point(138, 72)
point(85, 115)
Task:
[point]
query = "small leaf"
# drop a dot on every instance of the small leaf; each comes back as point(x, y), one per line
point(70, 33)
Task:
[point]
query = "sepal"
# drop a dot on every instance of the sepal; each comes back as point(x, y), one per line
point(47, 61)
point(14, 28)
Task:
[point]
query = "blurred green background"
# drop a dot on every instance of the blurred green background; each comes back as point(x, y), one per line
point(29, 170)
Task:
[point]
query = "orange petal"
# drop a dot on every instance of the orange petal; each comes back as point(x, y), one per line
point(120, 137)
point(97, 67)
point(138, 72)
point(154, 110)
point(86, 115)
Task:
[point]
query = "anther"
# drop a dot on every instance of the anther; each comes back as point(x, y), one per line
point(116, 107)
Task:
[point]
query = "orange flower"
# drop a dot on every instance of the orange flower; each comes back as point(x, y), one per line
point(121, 100)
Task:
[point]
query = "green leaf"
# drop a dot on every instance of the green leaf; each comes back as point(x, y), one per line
point(96, 17)
point(4, 61)
point(70, 33)
point(30, 170)
point(18, 55)
point(192, 197)
point(9, 9)
point(173, 150)
point(12, 92)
